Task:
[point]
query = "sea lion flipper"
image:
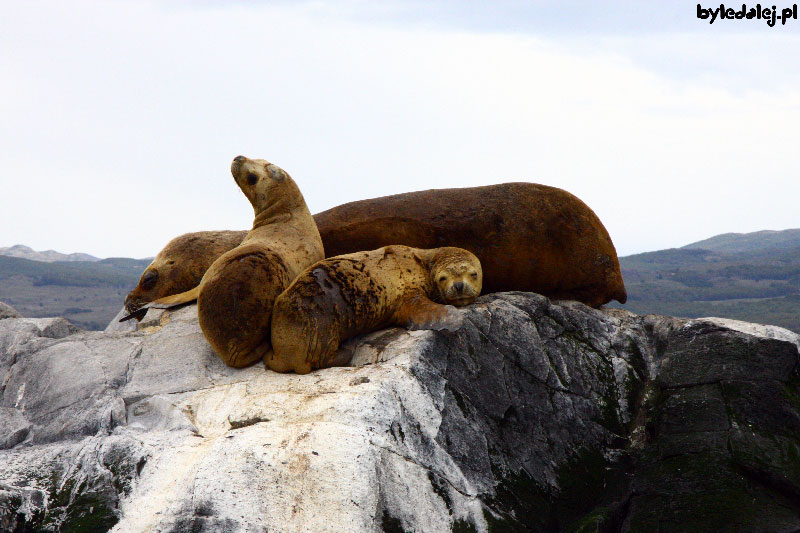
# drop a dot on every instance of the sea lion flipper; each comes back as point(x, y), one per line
point(168, 302)
point(138, 315)
point(421, 313)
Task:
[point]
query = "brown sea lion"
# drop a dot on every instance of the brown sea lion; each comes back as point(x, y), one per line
point(528, 237)
point(236, 295)
point(347, 295)
point(180, 266)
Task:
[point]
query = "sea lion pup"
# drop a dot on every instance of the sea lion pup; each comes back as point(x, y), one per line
point(237, 293)
point(528, 237)
point(347, 295)
point(180, 265)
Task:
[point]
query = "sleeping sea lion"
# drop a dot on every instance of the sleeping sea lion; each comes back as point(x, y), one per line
point(347, 295)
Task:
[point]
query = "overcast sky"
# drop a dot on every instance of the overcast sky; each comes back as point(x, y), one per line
point(119, 119)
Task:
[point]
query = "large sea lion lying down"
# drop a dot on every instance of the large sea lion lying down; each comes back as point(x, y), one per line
point(528, 237)
point(351, 294)
point(236, 295)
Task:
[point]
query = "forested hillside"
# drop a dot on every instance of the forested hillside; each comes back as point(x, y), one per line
point(88, 293)
point(753, 277)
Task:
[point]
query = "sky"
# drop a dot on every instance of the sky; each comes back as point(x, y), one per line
point(119, 119)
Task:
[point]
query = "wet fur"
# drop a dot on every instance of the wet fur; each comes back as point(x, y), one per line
point(528, 237)
point(344, 296)
point(236, 294)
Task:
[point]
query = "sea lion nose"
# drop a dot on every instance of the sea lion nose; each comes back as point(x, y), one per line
point(459, 286)
point(239, 159)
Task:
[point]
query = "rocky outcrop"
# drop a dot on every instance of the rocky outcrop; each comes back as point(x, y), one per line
point(6, 311)
point(532, 416)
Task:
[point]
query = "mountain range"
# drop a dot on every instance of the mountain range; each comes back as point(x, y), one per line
point(749, 242)
point(746, 276)
point(48, 256)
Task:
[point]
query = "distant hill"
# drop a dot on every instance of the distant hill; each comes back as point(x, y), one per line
point(752, 276)
point(48, 256)
point(749, 242)
point(88, 293)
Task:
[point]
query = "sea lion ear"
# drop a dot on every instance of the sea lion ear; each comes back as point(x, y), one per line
point(276, 172)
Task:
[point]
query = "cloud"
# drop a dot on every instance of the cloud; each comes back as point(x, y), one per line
point(122, 119)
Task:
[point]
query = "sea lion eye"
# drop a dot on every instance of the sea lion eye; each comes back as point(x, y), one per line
point(443, 278)
point(252, 179)
point(149, 279)
point(474, 275)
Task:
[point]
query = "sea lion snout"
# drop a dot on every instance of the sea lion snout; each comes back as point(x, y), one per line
point(236, 164)
point(459, 287)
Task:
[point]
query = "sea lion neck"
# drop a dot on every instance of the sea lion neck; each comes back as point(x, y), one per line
point(287, 201)
point(426, 259)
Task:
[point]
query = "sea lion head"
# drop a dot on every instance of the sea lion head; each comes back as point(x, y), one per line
point(457, 276)
point(169, 273)
point(176, 268)
point(180, 265)
point(146, 291)
point(261, 181)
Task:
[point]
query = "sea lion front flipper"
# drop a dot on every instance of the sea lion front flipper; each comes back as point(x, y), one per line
point(167, 302)
point(419, 312)
point(138, 315)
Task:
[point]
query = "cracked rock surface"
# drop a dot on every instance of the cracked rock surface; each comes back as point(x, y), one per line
point(533, 416)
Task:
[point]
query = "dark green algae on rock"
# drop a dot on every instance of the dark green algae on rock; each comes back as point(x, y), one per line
point(584, 420)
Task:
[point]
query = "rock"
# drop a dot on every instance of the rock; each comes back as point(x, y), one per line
point(14, 427)
point(116, 326)
point(533, 415)
point(759, 330)
point(6, 311)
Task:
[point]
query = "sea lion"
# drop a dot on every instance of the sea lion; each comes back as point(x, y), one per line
point(236, 295)
point(528, 237)
point(180, 266)
point(347, 295)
